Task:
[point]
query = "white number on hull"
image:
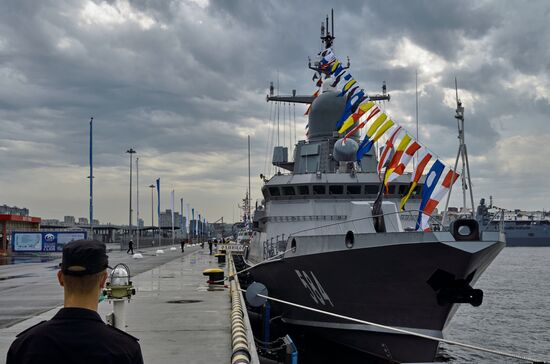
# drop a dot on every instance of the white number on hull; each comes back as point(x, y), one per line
point(314, 287)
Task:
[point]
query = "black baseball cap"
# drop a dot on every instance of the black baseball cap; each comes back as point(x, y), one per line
point(83, 257)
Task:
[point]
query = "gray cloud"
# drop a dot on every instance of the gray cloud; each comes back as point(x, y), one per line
point(184, 82)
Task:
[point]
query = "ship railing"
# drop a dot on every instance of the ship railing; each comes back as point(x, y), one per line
point(412, 213)
point(274, 246)
point(278, 244)
point(493, 218)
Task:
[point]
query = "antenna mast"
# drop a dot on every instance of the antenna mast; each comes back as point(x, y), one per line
point(463, 155)
point(327, 36)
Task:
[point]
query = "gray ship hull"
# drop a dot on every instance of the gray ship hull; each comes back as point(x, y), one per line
point(526, 241)
point(524, 233)
point(387, 284)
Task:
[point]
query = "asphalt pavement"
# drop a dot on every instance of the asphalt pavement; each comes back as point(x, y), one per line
point(174, 313)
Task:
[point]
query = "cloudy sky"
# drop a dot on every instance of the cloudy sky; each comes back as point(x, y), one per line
point(184, 82)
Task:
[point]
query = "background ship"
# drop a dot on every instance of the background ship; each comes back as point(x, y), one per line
point(521, 229)
point(331, 247)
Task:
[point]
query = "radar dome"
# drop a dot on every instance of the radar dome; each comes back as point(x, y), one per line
point(345, 152)
point(326, 110)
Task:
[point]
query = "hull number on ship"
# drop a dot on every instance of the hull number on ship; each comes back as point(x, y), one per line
point(312, 284)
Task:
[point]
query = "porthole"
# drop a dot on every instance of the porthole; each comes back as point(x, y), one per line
point(350, 239)
point(293, 245)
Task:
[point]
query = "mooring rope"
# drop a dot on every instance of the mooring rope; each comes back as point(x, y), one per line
point(252, 266)
point(412, 333)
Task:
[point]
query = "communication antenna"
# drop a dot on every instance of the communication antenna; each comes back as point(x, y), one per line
point(327, 36)
point(462, 154)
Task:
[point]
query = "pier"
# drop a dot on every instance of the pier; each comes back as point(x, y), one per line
point(177, 316)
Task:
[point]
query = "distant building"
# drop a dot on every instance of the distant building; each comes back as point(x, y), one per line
point(179, 222)
point(96, 222)
point(69, 220)
point(10, 223)
point(141, 224)
point(9, 210)
point(51, 222)
point(82, 221)
point(220, 230)
point(166, 219)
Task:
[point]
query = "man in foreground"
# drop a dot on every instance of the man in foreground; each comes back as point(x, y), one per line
point(76, 334)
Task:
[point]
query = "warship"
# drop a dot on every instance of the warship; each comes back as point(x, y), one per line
point(323, 238)
point(521, 229)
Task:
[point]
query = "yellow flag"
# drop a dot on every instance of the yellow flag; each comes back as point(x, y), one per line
point(388, 124)
point(352, 119)
point(396, 157)
point(406, 197)
point(379, 120)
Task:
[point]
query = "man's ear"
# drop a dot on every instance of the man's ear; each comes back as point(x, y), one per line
point(104, 276)
point(60, 278)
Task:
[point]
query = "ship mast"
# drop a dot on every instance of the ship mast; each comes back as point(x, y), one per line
point(327, 38)
point(462, 154)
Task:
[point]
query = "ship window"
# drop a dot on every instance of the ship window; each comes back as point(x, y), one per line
point(353, 189)
point(288, 190)
point(402, 189)
point(335, 189)
point(274, 191)
point(303, 190)
point(391, 190)
point(319, 189)
point(371, 189)
point(417, 190)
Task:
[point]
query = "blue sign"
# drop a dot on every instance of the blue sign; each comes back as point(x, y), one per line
point(47, 241)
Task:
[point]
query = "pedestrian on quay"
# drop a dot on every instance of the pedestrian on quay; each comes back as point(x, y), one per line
point(76, 334)
point(130, 247)
point(182, 243)
point(210, 245)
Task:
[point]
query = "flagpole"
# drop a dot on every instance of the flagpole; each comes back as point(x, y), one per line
point(249, 190)
point(173, 207)
point(158, 211)
point(181, 217)
point(187, 220)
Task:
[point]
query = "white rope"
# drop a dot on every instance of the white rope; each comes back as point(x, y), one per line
point(450, 342)
point(252, 266)
point(262, 262)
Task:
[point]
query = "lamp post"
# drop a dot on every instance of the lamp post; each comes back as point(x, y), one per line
point(91, 177)
point(138, 229)
point(130, 151)
point(152, 187)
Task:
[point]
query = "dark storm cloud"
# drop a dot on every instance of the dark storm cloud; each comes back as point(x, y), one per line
point(184, 82)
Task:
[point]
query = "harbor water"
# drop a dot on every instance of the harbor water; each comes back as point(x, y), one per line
point(515, 314)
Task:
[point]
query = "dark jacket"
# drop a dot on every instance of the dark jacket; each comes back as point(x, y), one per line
point(74, 335)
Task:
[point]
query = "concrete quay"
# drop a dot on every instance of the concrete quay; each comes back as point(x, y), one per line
point(174, 313)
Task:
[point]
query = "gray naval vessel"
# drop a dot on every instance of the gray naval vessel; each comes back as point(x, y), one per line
point(320, 240)
point(519, 230)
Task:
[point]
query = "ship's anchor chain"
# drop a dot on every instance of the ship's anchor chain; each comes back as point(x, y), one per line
point(255, 293)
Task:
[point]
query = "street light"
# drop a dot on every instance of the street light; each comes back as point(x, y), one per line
point(130, 151)
point(138, 230)
point(152, 187)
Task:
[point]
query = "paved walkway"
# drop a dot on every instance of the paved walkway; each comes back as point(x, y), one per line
point(175, 316)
